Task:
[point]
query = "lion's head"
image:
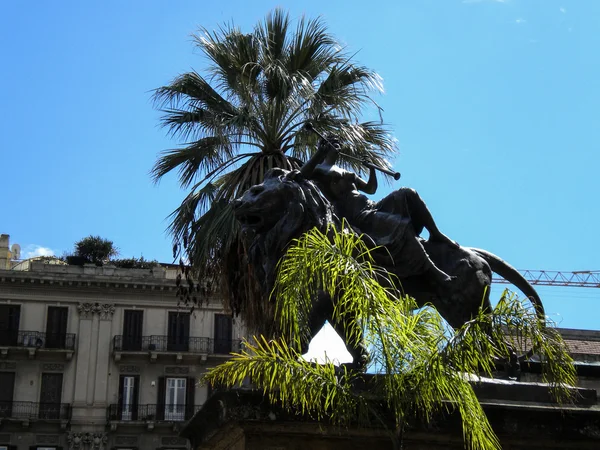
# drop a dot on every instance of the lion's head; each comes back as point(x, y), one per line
point(271, 215)
point(284, 203)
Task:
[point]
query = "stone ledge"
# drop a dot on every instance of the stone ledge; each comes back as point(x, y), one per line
point(522, 414)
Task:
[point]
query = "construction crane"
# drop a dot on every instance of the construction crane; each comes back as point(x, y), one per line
point(581, 278)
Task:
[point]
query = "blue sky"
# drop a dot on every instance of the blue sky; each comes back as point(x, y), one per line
point(494, 105)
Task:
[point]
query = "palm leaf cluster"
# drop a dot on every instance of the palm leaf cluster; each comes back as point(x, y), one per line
point(246, 115)
point(425, 368)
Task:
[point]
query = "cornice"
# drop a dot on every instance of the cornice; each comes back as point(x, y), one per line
point(79, 281)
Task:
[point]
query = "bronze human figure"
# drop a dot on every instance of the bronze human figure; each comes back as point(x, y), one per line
point(396, 221)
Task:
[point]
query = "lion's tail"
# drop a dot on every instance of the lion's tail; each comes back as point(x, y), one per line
point(512, 275)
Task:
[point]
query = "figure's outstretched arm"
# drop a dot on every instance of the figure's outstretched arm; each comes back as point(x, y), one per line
point(309, 166)
point(368, 187)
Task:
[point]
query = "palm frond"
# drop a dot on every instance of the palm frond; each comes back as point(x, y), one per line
point(193, 90)
point(428, 370)
point(366, 140)
point(312, 49)
point(346, 88)
point(273, 33)
point(201, 156)
point(321, 391)
point(213, 233)
point(235, 56)
point(193, 206)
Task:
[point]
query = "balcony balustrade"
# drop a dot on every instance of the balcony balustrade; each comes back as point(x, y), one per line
point(35, 411)
point(32, 342)
point(151, 413)
point(202, 345)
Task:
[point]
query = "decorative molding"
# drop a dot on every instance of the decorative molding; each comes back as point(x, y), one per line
point(105, 311)
point(126, 440)
point(129, 369)
point(173, 440)
point(99, 440)
point(75, 440)
point(8, 365)
point(53, 367)
point(87, 441)
point(46, 438)
point(87, 310)
point(177, 370)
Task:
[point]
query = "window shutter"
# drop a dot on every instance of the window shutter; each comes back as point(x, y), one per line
point(160, 401)
point(136, 397)
point(190, 388)
point(223, 333)
point(120, 402)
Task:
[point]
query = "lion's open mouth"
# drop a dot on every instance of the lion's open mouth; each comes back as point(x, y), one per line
point(248, 217)
point(250, 220)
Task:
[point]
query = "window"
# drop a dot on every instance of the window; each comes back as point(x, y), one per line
point(50, 396)
point(175, 399)
point(179, 332)
point(128, 397)
point(132, 330)
point(223, 332)
point(56, 327)
point(7, 384)
point(9, 324)
point(128, 400)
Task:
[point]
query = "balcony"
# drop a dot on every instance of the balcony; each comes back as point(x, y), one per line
point(27, 412)
point(36, 343)
point(149, 415)
point(156, 346)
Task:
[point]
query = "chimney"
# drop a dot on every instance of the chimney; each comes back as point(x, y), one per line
point(4, 255)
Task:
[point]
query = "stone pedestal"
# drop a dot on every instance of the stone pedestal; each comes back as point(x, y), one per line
point(523, 416)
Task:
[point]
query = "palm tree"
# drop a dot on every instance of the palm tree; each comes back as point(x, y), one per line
point(246, 116)
point(424, 368)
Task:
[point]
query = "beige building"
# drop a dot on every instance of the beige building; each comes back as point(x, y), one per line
point(100, 357)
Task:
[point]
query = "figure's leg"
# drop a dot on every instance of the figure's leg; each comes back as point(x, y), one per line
point(435, 274)
point(407, 201)
point(322, 310)
point(358, 351)
point(420, 210)
point(415, 256)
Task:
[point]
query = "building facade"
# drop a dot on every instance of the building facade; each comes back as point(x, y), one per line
point(102, 358)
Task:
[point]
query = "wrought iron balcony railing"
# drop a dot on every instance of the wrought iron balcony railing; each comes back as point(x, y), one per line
point(37, 339)
point(153, 412)
point(124, 343)
point(33, 410)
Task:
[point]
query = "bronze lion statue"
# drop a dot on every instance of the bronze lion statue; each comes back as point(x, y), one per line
point(286, 205)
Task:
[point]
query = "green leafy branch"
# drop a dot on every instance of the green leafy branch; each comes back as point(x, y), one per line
point(426, 368)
